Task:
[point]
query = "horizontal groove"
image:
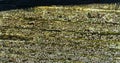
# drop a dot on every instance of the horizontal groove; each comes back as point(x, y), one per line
point(14, 37)
point(56, 30)
point(82, 32)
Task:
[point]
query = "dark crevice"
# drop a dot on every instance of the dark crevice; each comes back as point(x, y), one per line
point(15, 37)
point(83, 32)
point(51, 30)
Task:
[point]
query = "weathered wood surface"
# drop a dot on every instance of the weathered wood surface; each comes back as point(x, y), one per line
point(59, 34)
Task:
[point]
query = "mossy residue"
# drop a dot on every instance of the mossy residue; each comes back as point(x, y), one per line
point(60, 34)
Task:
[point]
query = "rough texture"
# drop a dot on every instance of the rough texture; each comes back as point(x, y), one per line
point(60, 34)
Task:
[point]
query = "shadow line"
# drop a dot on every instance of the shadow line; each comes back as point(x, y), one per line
point(22, 4)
